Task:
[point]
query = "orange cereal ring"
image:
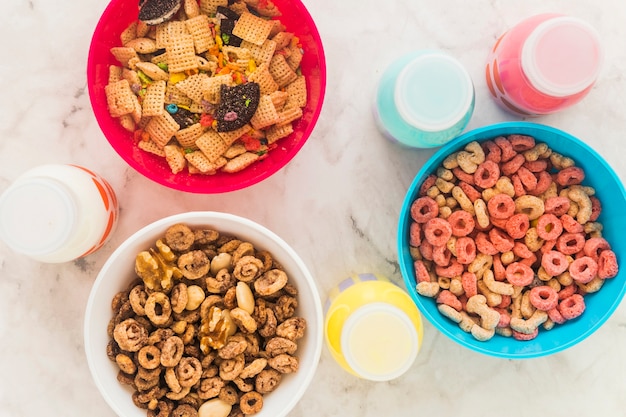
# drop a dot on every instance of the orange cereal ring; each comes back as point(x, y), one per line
point(484, 245)
point(549, 227)
point(468, 282)
point(519, 274)
point(571, 225)
point(554, 263)
point(536, 166)
point(596, 208)
point(424, 209)
point(465, 250)
point(415, 234)
point(501, 206)
point(492, 151)
point(455, 269)
point(556, 205)
point(525, 336)
point(556, 316)
point(528, 178)
point(607, 264)
point(544, 297)
point(463, 176)
point(470, 191)
point(583, 269)
point(462, 223)
point(507, 149)
point(428, 182)
point(572, 307)
point(437, 231)
point(521, 250)
point(501, 223)
point(487, 174)
point(544, 180)
point(518, 186)
point(517, 225)
point(530, 261)
point(521, 143)
point(547, 246)
point(570, 243)
point(441, 255)
point(499, 270)
point(500, 240)
point(512, 166)
point(446, 297)
point(570, 176)
point(421, 272)
point(567, 291)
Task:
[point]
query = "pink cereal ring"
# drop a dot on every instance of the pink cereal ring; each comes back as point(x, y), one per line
point(437, 231)
point(507, 149)
point(506, 301)
point(596, 208)
point(441, 255)
point(518, 186)
point(519, 274)
point(455, 269)
point(505, 317)
point(570, 243)
point(567, 291)
point(571, 225)
point(583, 269)
point(428, 182)
point(544, 297)
point(572, 307)
point(511, 167)
point(499, 271)
point(556, 205)
point(607, 264)
point(446, 297)
point(487, 174)
point(424, 209)
point(521, 143)
point(462, 223)
point(554, 263)
point(595, 245)
point(536, 166)
point(521, 250)
point(426, 249)
point(549, 227)
point(570, 176)
point(524, 336)
point(547, 246)
point(421, 272)
point(484, 245)
point(501, 206)
point(465, 250)
point(530, 261)
point(463, 176)
point(469, 281)
point(415, 234)
point(529, 181)
point(556, 316)
point(470, 191)
point(500, 240)
point(517, 225)
point(492, 151)
point(544, 180)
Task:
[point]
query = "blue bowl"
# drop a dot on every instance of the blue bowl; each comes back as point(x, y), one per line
point(599, 305)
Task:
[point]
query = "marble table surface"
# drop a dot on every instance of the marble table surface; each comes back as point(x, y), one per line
point(339, 201)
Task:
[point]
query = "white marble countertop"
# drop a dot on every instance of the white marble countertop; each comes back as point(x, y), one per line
point(339, 201)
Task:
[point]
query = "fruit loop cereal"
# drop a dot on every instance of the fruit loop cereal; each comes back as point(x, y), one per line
point(505, 238)
point(209, 324)
point(210, 86)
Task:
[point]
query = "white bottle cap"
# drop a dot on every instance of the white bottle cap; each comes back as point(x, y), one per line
point(562, 56)
point(379, 342)
point(37, 216)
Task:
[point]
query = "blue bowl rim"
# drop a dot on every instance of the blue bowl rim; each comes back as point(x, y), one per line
point(480, 134)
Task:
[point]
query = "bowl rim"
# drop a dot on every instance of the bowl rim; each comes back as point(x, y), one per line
point(211, 186)
point(316, 338)
point(480, 134)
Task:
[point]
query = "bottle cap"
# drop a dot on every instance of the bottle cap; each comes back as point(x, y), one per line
point(37, 216)
point(433, 92)
point(562, 56)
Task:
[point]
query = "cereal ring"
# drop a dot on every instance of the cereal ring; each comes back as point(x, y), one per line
point(521, 143)
point(549, 227)
point(596, 208)
point(594, 246)
point(424, 209)
point(184, 410)
point(231, 368)
point(267, 380)
point(530, 205)
point(188, 371)
point(179, 237)
point(484, 245)
point(426, 250)
point(507, 149)
point(421, 272)
point(194, 264)
point(463, 176)
point(161, 315)
point(511, 167)
point(544, 181)
point(537, 166)
point(517, 225)
point(441, 255)
point(570, 243)
point(446, 297)
point(519, 274)
point(469, 191)
point(583, 269)
point(468, 280)
point(487, 174)
point(465, 250)
point(125, 363)
point(179, 297)
point(137, 298)
point(130, 335)
point(521, 250)
point(518, 186)
point(571, 225)
point(554, 263)
point(556, 316)
point(454, 270)
point(570, 176)
point(437, 231)
point(149, 357)
point(415, 234)
point(292, 328)
point(500, 240)
point(251, 402)
point(270, 282)
point(607, 264)
point(544, 297)
point(557, 205)
point(572, 307)
point(492, 151)
point(463, 200)
point(172, 351)
point(501, 206)
point(525, 336)
point(528, 179)
point(461, 222)
point(285, 364)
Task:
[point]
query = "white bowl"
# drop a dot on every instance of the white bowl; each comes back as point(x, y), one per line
point(118, 272)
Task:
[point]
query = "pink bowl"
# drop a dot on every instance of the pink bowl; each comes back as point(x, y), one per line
point(117, 16)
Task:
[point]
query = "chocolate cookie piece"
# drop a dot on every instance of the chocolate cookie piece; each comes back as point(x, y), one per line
point(237, 105)
point(227, 19)
point(153, 12)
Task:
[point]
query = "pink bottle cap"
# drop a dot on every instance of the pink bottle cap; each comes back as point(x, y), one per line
point(562, 56)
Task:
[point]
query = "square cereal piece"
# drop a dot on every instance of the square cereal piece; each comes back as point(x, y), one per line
point(279, 98)
point(281, 71)
point(191, 8)
point(211, 144)
point(168, 30)
point(295, 57)
point(175, 96)
point(289, 114)
point(120, 98)
point(266, 82)
point(282, 39)
point(162, 128)
point(129, 33)
point(212, 92)
point(234, 150)
point(194, 86)
point(124, 54)
point(209, 7)
point(261, 53)
point(232, 136)
point(187, 137)
point(278, 132)
point(181, 54)
point(266, 114)
point(175, 157)
point(297, 92)
point(151, 147)
point(153, 103)
point(199, 28)
point(252, 28)
point(236, 52)
point(115, 74)
point(127, 122)
point(200, 161)
point(240, 162)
